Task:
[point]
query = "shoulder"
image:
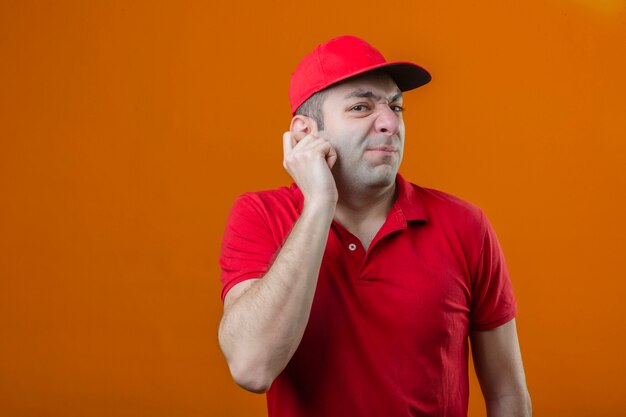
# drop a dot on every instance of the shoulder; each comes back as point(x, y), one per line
point(270, 211)
point(275, 202)
point(460, 223)
point(279, 196)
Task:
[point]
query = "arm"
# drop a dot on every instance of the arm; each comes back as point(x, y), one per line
point(498, 364)
point(264, 319)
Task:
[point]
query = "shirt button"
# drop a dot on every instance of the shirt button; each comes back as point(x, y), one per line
point(352, 246)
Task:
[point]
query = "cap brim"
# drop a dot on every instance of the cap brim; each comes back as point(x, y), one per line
point(406, 75)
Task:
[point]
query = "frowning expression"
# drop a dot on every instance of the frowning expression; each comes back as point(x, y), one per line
point(363, 122)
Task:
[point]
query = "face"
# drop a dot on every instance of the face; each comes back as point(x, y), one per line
point(363, 122)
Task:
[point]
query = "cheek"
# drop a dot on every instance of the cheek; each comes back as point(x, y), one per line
point(344, 142)
point(348, 141)
point(343, 153)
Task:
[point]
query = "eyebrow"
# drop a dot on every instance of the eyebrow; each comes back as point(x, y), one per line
point(371, 95)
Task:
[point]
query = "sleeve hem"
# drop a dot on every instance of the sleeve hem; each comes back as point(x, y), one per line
point(495, 323)
point(234, 282)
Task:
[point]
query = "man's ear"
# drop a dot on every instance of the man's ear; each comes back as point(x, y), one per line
point(301, 123)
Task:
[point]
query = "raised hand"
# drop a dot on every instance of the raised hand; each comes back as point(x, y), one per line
point(309, 160)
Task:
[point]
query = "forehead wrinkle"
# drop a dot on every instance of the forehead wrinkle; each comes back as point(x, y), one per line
point(371, 95)
point(362, 94)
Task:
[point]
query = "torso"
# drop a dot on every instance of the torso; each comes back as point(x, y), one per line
point(387, 334)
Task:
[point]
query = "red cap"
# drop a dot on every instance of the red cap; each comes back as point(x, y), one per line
point(344, 57)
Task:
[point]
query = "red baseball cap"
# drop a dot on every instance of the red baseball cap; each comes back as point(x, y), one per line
point(344, 57)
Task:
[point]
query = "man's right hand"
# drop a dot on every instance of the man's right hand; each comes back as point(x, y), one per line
point(309, 160)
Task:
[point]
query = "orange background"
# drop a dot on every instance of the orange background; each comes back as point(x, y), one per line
point(128, 128)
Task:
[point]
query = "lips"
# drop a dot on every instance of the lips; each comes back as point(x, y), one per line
point(383, 148)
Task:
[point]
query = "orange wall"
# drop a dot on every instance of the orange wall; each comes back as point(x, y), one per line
point(128, 128)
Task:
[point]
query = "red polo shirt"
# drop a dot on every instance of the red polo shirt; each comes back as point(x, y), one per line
point(388, 330)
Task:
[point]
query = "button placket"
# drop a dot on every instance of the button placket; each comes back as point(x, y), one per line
point(353, 252)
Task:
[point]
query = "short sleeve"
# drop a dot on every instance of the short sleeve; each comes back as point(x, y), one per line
point(248, 246)
point(493, 302)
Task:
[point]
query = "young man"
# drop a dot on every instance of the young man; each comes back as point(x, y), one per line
point(354, 292)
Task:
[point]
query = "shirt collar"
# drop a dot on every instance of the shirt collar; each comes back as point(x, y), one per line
point(408, 200)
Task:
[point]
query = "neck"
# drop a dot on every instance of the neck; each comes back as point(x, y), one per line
point(356, 206)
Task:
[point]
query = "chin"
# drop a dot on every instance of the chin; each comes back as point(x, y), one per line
point(369, 177)
point(382, 177)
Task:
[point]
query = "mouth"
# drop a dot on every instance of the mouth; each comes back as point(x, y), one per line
point(383, 149)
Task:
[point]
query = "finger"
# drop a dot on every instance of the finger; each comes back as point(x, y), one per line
point(297, 137)
point(309, 141)
point(327, 151)
point(288, 142)
point(331, 157)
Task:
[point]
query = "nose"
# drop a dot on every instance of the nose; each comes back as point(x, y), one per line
point(387, 121)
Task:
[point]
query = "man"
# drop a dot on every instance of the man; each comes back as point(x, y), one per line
point(354, 292)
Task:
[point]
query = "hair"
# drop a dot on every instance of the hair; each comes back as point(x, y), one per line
point(312, 108)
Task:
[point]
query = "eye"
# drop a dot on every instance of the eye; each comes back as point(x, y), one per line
point(359, 107)
point(397, 109)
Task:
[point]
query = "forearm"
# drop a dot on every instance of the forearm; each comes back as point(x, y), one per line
point(514, 405)
point(261, 329)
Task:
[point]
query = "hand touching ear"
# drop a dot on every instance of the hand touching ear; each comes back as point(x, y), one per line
point(309, 159)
